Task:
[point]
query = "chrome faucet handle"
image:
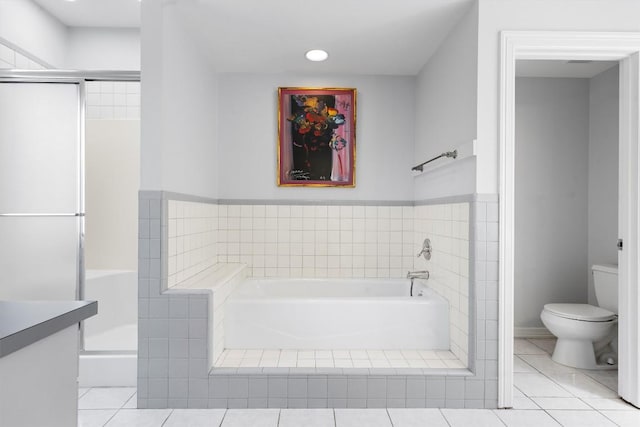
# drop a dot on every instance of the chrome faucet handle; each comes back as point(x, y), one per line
point(426, 249)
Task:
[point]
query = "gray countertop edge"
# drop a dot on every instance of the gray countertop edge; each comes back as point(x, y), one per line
point(34, 332)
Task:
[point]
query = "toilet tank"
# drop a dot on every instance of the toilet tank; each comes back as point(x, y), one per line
point(605, 281)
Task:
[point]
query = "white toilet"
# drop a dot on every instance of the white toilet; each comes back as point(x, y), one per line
point(587, 335)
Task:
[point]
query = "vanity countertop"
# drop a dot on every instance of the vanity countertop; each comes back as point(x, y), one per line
point(24, 322)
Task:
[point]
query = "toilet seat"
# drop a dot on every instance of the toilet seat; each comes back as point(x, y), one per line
point(582, 312)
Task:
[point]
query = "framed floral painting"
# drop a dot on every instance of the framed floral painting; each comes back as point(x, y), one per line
point(316, 137)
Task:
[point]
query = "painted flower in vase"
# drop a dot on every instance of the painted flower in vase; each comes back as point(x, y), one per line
point(315, 120)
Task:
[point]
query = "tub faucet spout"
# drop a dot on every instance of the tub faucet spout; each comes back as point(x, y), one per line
point(422, 274)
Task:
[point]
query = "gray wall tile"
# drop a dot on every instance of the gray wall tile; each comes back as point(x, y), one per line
point(218, 387)
point(376, 403)
point(258, 403)
point(157, 403)
point(396, 403)
point(158, 388)
point(297, 388)
point(198, 388)
point(236, 403)
point(416, 403)
point(178, 328)
point(195, 403)
point(474, 390)
point(377, 388)
point(158, 368)
point(454, 403)
point(317, 403)
point(277, 402)
point(296, 403)
point(396, 388)
point(198, 308)
point(178, 307)
point(416, 388)
point(357, 403)
point(454, 388)
point(179, 388)
point(218, 403)
point(473, 404)
point(258, 387)
point(436, 388)
point(357, 388)
point(238, 387)
point(159, 348)
point(198, 348)
point(277, 387)
point(337, 388)
point(178, 403)
point(317, 388)
point(178, 368)
point(336, 403)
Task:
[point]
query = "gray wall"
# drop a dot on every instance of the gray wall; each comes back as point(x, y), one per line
point(603, 171)
point(552, 139)
point(248, 130)
point(446, 111)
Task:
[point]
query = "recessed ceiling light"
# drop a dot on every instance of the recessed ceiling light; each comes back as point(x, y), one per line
point(316, 55)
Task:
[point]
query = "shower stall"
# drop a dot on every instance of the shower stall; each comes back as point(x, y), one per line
point(53, 207)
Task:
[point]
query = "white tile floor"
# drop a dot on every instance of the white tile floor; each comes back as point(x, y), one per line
point(337, 359)
point(547, 394)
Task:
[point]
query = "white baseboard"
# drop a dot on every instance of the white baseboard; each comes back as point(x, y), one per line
point(108, 370)
point(540, 332)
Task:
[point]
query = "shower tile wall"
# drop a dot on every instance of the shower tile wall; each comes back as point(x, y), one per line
point(328, 241)
point(317, 241)
point(113, 100)
point(447, 226)
point(10, 58)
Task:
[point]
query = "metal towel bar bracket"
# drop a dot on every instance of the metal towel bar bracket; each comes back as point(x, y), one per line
point(452, 154)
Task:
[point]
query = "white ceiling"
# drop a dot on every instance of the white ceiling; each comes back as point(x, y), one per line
point(362, 36)
point(94, 13)
point(555, 68)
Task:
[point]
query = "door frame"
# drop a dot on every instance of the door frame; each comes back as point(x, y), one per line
point(605, 46)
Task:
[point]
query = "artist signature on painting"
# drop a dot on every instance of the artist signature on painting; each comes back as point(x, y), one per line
point(299, 175)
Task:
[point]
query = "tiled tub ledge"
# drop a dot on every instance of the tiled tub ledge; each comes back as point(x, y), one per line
point(219, 281)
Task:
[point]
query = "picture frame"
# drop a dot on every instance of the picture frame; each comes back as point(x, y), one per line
point(316, 137)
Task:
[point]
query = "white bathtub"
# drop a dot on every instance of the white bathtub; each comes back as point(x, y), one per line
point(110, 337)
point(335, 314)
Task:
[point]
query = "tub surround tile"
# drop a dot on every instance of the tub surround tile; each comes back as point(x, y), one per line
point(264, 229)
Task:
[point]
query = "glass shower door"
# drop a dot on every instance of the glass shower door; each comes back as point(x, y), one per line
point(41, 209)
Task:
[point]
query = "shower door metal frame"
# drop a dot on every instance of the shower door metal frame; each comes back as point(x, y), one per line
point(80, 78)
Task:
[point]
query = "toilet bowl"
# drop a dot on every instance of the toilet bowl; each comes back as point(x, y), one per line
point(585, 332)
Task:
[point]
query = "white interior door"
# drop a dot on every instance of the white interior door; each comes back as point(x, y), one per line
point(628, 227)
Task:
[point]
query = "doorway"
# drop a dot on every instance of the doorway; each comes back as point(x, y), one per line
point(620, 47)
